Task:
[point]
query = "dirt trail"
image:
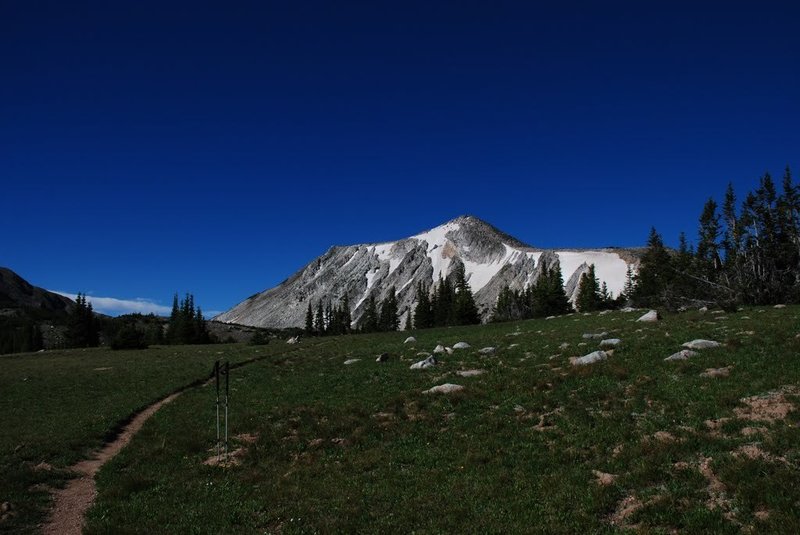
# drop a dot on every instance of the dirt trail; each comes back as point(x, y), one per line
point(72, 502)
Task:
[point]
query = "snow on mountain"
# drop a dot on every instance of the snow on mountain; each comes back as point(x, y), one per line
point(491, 260)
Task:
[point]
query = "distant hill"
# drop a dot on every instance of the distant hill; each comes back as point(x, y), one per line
point(18, 294)
point(491, 259)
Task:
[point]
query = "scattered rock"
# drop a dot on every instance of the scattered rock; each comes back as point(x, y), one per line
point(470, 373)
point(410, 340)
point(717, 311)
point(315, 443)
point(779, 306)
point(594, 336)
point(627, 309)
point(563, 346)
point(351, 361)
point(383, 357)
point(603, 479)
point(716, 372)
point(604, 312)
point(610, 342)
point(701, 344)
point(487, 350)
point(423, 364)
point(683, 354)
point(423, 354)
point(591, 358)
point(703, 310)
point(293, 340)
point(512, 346)
point(439, 349)
point(449, 350)
point(550, 318)
point(650, 317)
point(342, 442)
point(461, 345)
point(446, 388)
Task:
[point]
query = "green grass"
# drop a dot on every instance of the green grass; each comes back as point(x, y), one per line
point(58, 406)
point(359, 448)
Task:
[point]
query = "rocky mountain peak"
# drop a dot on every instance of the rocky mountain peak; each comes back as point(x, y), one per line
point(491, 259)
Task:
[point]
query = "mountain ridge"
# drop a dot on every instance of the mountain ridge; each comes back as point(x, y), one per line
point(492, 259)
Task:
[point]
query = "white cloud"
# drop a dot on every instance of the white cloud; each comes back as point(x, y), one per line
point(116, 307)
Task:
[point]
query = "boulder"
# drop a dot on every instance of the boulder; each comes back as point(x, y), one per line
point(701, 344)
point(649, 317)
point(683, 354)
point(594, 336)
point(703, 310)
point(487, 350)
point(779, 306)
point(351, 361)
point(470, 373)
point(410, 340)
point(293, 340)
point(461, 345)
point(610, 342)
point(591, 358)
point(383, 357)
point(439, 349)
point(627, 309)
point(446, 388)
point(423, 364)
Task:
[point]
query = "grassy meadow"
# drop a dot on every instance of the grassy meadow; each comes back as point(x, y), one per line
point(532, 445)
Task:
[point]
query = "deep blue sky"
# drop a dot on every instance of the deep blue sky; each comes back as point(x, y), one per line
point(154, 147)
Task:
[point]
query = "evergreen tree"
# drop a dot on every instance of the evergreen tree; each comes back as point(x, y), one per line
point(652, 286)
point(387, 319)
point(423, 313)
point(369, 321)
point(588, 298)
point(319, 321)
point(465, 311)
point(409, 322)
point(309, 328)
point(82, 327)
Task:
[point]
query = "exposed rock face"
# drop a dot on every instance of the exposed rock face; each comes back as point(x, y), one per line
point(491, 261)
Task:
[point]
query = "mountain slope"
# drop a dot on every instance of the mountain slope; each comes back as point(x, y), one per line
point(17, 293)
point(491, 260)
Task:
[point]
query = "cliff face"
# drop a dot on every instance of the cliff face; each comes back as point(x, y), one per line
point(491, 260)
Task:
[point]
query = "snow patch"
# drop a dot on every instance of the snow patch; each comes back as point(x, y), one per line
point(608, 267)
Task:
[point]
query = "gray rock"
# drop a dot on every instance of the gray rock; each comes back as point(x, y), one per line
point(423, 354)
point(293, 340)
point(628, 309)
point(351, 361)
point(683, 354)
point(439, 349)
point(423, 364)
point(610, 342)
point(594, 336)
point(410, 340)
point(649, 317)
point(449, 350)
point(591, 358)
point(461, 345)
point(383, 357)
point(487, 350)
point(701, 344)
point(446, 388)
point(779, 306)
point(563, 346)
point(703, 310)
point(470, 373)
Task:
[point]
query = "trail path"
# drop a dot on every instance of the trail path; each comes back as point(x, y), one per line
point(72, 502)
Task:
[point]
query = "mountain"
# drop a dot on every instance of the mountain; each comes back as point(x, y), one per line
point(16, 293)
point(491, 260)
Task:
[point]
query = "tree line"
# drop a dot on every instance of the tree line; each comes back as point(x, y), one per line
point(747, 253)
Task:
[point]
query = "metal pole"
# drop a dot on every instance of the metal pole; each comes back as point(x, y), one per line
point(216, 376)
point(227, 389)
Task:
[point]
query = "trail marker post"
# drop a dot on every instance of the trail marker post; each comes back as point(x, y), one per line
point(222, 369)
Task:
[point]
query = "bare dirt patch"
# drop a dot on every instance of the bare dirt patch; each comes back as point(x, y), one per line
point(72, 502)
point(769, 407)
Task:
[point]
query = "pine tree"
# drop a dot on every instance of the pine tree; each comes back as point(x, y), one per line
point(409, 322)
point(309, 329)
point(465, 311)
point(588, 298)
point(369, 321)
point(387, 319)
point(319, 321)
point(652, 286)
point(423, 313)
